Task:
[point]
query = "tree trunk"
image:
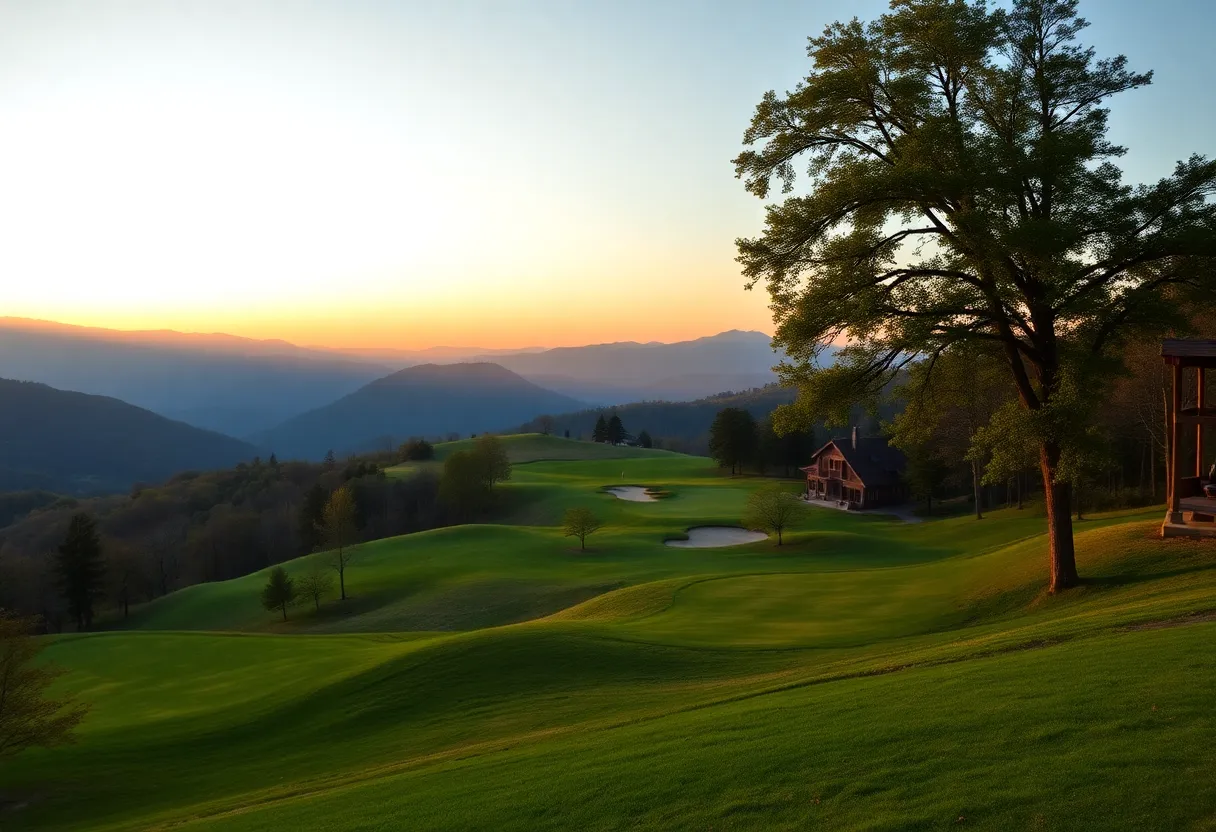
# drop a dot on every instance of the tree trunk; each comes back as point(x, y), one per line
point(975, 485)
point(284, 608)
point(1021, 474)
point(1057, 496)
point(778, 537)
point(341, 575)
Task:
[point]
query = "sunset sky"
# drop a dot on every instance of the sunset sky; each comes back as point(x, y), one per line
point(500, 173)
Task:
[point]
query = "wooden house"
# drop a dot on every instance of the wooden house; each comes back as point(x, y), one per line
point(1192, 486)
point(861, 471)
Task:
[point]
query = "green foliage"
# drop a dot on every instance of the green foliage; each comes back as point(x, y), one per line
point(80, 570)
point(644, 440)
point(615, 433)
point(773, 509)
point(416, 450)
point(962, 193)
point(600, 432)
point(732, 438)
point(30, 714)
point(580, 522)
point(312, 517)
point(280, 591)
point(491, 457)
point(315, 585)
point(340, 525)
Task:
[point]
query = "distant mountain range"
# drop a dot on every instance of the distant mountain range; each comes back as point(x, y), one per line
point(427, 400)
point(245, 387)
point(232, 385)
point(81, 444)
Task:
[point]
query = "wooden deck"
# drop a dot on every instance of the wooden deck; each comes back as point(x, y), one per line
point(1200, 516)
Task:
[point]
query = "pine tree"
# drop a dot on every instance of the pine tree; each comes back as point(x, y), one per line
point(616, 430)
point(600, 434)
point(644, 440)
point(80, 570)
point(279, 592)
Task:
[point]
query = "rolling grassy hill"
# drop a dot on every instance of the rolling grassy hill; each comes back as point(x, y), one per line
point(867, 675)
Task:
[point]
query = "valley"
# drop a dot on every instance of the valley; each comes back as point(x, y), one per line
point(869, 673)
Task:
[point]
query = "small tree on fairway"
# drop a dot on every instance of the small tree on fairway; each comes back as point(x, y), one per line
point(644, 440)
point(580, 522)
point(962, 192)
point(600, 432)
point(315, 585)
point(80, 570)
point(772, 509)
point(280, 591)
point(339, 524)
point(545, 423)
point(28, 716)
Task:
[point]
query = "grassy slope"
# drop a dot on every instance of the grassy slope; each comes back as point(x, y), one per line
point(868, 675)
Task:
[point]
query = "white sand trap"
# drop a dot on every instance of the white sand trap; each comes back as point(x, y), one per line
point(632, 493)
point(711, 537)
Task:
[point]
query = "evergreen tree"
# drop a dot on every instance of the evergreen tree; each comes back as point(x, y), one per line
point(732, 438)
point(330, 461)
point(616, 430)
point(279, 592)
point(600, 433)
point(644, 440)
point(80, 570)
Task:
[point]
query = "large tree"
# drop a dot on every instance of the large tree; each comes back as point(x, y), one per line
point(80, 570)
point(962, 192)
point(29, 716)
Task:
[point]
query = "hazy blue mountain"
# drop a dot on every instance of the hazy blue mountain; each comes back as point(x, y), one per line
point(427, 400)
point(628, 371)
point(77, 443)
point(232, 385)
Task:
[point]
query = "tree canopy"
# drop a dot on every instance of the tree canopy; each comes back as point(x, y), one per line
point(732, 438)
point(28, 715)
point(963, 194)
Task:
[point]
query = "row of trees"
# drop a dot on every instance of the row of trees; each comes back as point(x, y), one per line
point(612, 430)
point(738, 441)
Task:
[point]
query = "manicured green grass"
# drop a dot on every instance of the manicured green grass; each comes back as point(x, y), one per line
point(867, 675)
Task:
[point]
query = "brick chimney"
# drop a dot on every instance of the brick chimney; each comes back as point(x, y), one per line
point(856, 435)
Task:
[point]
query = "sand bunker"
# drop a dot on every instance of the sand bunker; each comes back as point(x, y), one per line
point(632, 493)
point(711, 537)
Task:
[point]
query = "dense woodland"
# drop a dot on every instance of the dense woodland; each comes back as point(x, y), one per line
point(212, 526)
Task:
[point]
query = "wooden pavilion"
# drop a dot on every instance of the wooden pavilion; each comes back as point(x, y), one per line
point(1192, 510)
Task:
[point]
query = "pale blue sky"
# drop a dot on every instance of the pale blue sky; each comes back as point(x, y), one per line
point(400, 173)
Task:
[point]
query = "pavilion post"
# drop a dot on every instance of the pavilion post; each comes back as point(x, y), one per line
point(1175, 512)
point(1201, 395)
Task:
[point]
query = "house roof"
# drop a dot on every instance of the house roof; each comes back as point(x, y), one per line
point(874, 461)
point(1189, 353)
